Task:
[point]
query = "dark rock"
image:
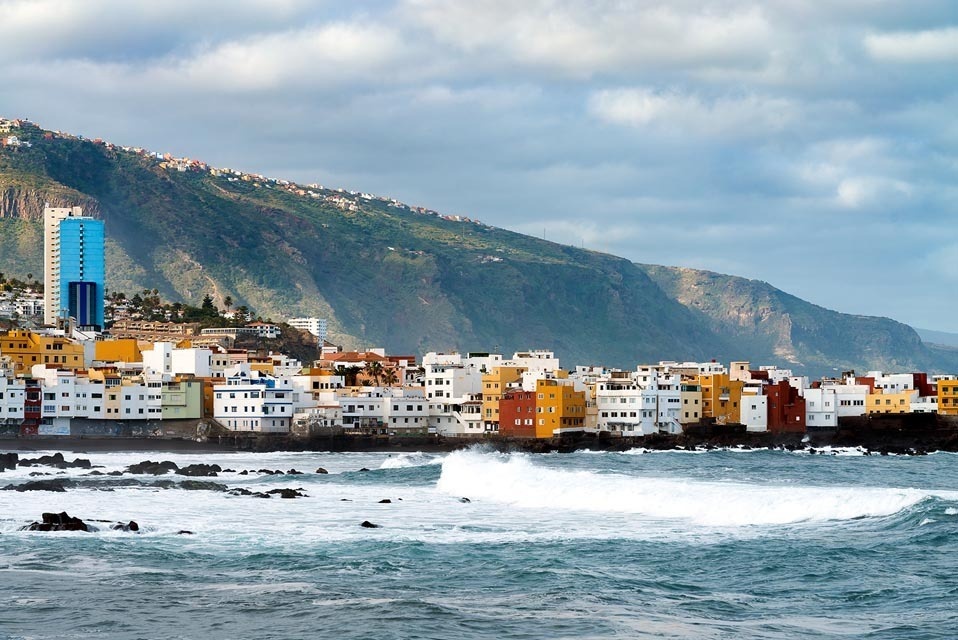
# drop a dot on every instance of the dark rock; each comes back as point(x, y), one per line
point(207, 470)
point(57, 484)
point(38, 473)
point(322, 471)
point(115, 473)
point(244, 472)
point(345, 500)
point(94, 473)
point(8, 461)
point(229, 470)
point(366, 524)
point(364, 469)
point(58, 522)
point(200, 485)
point(294, 472)
point(465, 500)
point(153, 468)
point(184, 532)
point(131, 527)
point(287, 493)
point(56, 460)
point(240, 491)
point(385, 501)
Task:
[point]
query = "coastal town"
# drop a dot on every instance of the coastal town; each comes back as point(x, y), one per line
point(68, 370)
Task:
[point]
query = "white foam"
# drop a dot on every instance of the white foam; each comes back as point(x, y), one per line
point(407, 460)
point(515, 480)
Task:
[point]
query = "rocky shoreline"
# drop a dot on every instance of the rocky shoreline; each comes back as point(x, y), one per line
point(908, 434)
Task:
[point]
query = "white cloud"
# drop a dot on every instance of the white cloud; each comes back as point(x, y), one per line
point(863, 191)
point(934, 45)
point(587, 38)
point(672, 111)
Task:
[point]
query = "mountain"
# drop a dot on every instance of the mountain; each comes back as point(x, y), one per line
point(384, 273)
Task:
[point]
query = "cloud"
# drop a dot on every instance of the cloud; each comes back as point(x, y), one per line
point(934, 45)
point(691, 114)
point(583, 39)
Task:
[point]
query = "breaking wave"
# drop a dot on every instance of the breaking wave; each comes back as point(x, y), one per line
point(515, 480)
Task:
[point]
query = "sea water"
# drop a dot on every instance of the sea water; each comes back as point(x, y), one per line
point(480, 544)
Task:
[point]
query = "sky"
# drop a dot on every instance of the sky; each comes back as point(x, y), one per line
point(809, 144)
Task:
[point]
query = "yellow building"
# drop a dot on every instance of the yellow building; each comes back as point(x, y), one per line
point(890, 402)
point(26, 349)
point(948, 397)
point(118, 350)
point(494, 386)
point(691, 398)
point(558, 407)
point(721, 398)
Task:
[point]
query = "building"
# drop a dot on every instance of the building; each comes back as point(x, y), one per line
point(73, 267)
point(252, 401)
point(26, 348)
point(315, 326)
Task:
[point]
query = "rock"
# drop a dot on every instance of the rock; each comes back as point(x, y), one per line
point(153, 468)
point(131, 527)
point(58, 522)
point(294, 472)
point(322, 471)
point(8, 461)
point(200, 485)
point(94, 473)
point(37, 473)
point(184, 532)
point(364, 469)
point(385, 501)
point(287, 493)
point(58, 485)
point(244, 472)
point(56, 460)
point(366, 524)
point(207, 470)
point(115, 473)
point(465, 500)
point(229, 470)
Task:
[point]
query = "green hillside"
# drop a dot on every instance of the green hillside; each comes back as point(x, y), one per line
point(385, 274)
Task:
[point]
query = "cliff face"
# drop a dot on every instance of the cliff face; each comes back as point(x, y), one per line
point(26, 203)
point(765, 320)
point(386, 274)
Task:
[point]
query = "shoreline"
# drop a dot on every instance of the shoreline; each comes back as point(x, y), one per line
point(874, 442)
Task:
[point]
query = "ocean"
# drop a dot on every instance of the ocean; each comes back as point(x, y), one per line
point(481, 544)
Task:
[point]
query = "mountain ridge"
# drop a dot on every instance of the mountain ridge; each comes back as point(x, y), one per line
point(385, 273)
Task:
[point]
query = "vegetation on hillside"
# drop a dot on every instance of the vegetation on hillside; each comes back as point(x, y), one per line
point(384, 274)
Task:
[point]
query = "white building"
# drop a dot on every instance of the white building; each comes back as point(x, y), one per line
point(252, 401)
point(315, 326)
point(821, 407)
point(639, 404)
point(754, 411)
point(51, 258)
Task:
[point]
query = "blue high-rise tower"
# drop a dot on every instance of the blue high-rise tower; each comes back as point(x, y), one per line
point(82, 271)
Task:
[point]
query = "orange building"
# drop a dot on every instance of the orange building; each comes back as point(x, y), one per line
point(26, 349)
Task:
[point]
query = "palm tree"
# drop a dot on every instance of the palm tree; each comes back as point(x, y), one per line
point(375, 371)
point(390, 376)
point(350, 374)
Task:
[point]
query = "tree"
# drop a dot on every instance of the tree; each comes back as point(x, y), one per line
point(207, 307)
point(350, 375)
point(228, 302)
point(374, 370)
point(390, 377)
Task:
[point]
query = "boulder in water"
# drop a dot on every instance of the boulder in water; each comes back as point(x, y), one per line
point(58, 522)
point(205, 470)
point(366, 524)
point(130, 527)
point(58, 485)
point(322, 471)
point(152, 468)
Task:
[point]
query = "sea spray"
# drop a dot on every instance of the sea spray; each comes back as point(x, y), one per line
point(516, 480)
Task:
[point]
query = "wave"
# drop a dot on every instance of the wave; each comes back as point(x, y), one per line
point(407, 460)
point(514, 479)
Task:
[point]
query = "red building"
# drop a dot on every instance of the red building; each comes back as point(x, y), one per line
point(786, 408)
point(517, 414)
